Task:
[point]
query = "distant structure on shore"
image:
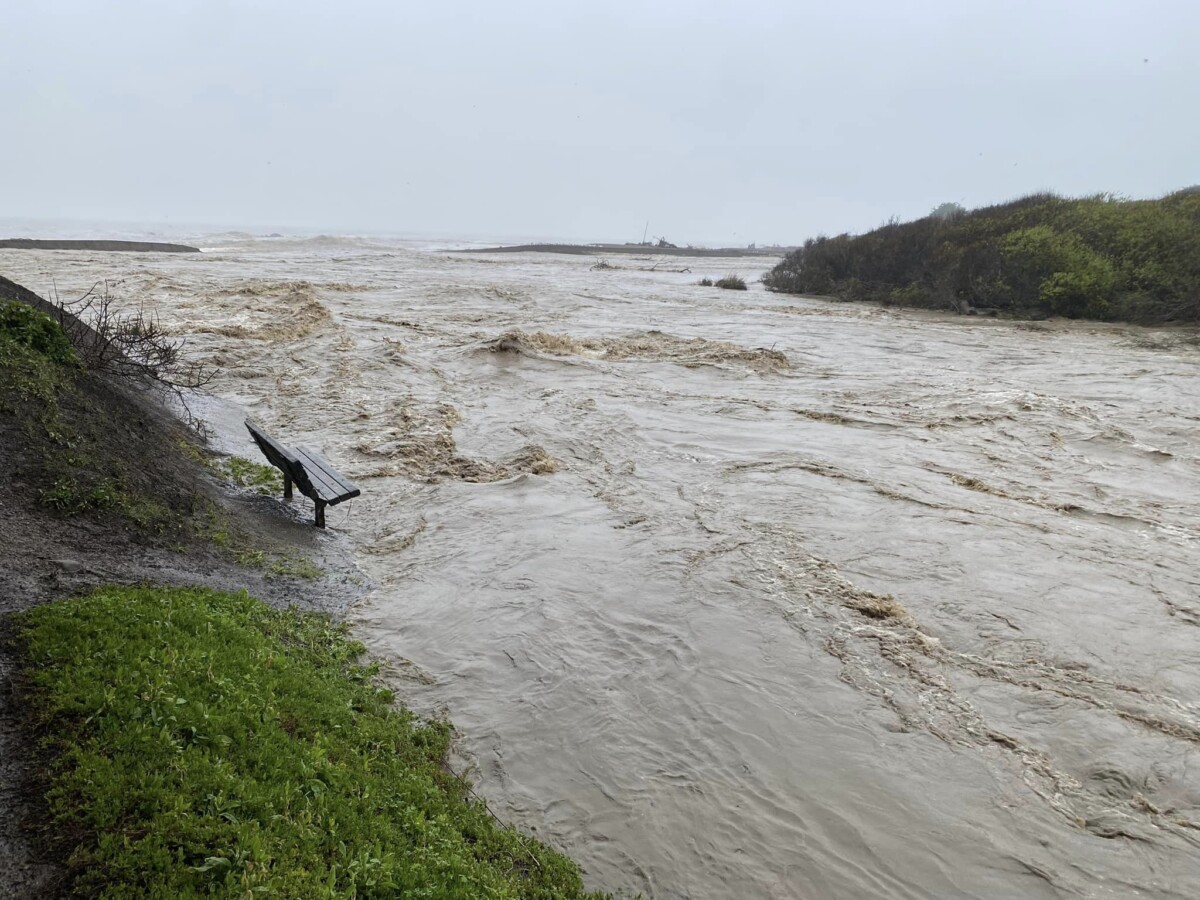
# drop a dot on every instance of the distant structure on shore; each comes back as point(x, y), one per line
point(662, 248)
point(662, 244)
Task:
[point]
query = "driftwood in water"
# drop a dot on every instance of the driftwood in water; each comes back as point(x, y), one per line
point(602, 264)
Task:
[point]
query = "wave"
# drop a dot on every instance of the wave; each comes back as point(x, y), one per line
point(649, 345)
point(421, 445)
point(260, 310)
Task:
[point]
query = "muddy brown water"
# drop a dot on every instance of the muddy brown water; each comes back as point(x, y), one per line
point(742, 595)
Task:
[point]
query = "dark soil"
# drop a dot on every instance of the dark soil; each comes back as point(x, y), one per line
point(46, 555)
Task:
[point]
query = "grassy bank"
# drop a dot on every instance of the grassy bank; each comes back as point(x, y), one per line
point(87, 448)
point(83, 447)
point(203, 743)
point(1043, 255)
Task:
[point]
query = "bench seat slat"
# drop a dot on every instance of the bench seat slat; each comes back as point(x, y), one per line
point(320, 475)
point(311, 457)
point(329, 482)
point(323, 488)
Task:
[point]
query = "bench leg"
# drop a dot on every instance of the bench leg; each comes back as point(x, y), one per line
point(287, 487)
point(320, 514)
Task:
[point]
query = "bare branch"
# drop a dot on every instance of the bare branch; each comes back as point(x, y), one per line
point(130, 345)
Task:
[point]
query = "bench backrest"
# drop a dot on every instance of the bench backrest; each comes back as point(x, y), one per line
point(281, 457)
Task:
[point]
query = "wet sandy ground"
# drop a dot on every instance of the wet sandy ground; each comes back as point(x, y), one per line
point(741, 595)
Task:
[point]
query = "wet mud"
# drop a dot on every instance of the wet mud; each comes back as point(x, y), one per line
point(748, 595)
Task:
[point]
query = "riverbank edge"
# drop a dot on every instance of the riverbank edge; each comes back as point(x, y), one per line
point(51, 557)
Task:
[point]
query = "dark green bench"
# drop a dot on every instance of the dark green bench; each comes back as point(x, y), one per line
point(307, 470)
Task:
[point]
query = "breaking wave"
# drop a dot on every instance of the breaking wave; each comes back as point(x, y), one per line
point(649, 345)
point(420, 444)
point(259, 310)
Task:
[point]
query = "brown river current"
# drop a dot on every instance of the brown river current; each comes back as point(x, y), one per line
point(740, 595)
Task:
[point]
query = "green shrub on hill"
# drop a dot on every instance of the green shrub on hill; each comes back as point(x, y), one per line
point(36, 362)
point(1095, 257)
point(25, 326)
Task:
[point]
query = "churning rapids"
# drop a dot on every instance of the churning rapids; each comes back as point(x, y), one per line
point(745, 595)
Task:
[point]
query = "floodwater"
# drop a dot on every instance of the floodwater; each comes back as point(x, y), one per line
point(744, 595)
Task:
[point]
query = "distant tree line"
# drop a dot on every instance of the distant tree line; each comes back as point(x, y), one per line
point(1096, 257)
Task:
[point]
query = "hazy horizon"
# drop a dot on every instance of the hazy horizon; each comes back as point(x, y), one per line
point(764, 123)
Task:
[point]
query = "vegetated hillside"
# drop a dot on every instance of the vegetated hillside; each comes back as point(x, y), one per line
point(1042, 255)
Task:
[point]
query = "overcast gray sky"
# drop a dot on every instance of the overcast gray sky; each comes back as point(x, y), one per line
point(738, 121)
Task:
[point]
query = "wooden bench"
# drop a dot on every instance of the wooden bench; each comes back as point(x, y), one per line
point(307, 470)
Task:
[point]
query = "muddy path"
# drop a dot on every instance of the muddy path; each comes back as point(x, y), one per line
point(734, 594)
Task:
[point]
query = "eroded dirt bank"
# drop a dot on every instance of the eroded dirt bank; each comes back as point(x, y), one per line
point(746, 595)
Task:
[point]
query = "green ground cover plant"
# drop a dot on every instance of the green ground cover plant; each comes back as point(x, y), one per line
point(265, 480)
point(26, 327)
point(30, 375)
point(204, 744)
point(237, 470)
